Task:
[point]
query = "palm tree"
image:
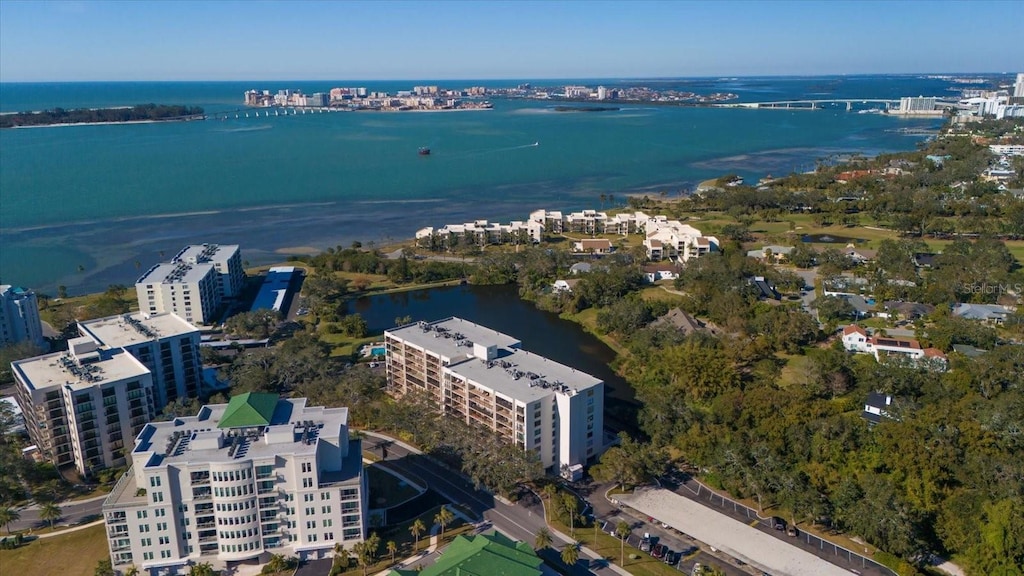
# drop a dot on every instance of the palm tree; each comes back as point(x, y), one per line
point(543, 539)
point(201, 569)
point(572, 507)
point(416, 529)
point(392, 549)
point(279, 563)
point(366, 551)
point(341, 556)
point(571, 553)
point(50, 512)
point(549, 491)
point(133, 570)
point(444, 517)
point(7, 516)
point(622, 531)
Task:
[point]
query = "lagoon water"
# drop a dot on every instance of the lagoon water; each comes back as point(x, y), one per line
point(115, 199)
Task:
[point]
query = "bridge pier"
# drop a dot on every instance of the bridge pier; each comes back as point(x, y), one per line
point(849, 106)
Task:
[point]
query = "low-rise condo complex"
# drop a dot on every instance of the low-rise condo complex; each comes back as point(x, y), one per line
point(240, 481)
point(484, 377)
point(193, 284)
point(80, 405)
point(664, 238)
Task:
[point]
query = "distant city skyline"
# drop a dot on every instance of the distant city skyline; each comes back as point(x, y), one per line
point(123, 41)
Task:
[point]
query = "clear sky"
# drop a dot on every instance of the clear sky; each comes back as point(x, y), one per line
point(78, 40)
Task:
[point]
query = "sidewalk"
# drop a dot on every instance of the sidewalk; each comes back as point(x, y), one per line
point(69, 530)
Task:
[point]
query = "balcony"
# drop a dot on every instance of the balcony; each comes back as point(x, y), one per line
point(202, 525)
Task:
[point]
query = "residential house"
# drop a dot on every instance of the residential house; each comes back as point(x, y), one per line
point(581, 268)
point(593, 246)
point(775, 253)
point(987, 313)
point(764, 289)
point(659, 271)
point(856, 339)
point(925, 259)
point(681, 321)
point(859, 255)
point(969, 351)
point(876, 407)
point(906, 310)
point(565, 286)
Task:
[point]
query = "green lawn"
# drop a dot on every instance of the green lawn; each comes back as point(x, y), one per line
point(73, 554)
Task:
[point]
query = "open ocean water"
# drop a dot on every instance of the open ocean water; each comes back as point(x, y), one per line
point(115, 199)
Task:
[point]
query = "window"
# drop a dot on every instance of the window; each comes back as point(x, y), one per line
point(307, 497)
point(307, 467)
point(328, 523)
point(147, 542)
point(328, 535)
point(165, 540)
point(141, 514)
point(325, 509)
point(154, 481)
point(310, 524)
point(147, 555)
point(325, 495)
point(158, 496)
point(307, 482)
point(144, 528)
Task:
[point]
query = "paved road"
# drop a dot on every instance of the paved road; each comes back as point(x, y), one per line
point(519, 522)
point(73, 513)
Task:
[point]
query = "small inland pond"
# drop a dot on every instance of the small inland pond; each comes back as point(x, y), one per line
point(500, 308)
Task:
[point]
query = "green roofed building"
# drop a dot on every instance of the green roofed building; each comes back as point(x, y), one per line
point(249, 409)
point(492, 554)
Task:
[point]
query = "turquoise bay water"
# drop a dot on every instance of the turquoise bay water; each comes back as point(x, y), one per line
point(112, 198)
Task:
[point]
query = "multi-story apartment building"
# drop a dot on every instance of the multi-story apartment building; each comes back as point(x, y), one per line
point(676, 241)
point(481, 233)
point(188, 290)
point(259, 475)
point(81, 405)
point(551, 220)
point(484, 377)
point(19, 316)
point(165, 344)
point(226, 260)
point(586, 222)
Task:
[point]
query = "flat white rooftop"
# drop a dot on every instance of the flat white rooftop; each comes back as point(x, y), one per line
point(60, 369)
point(733, 537)
point(175, 272)
point(293, 428)
point(130, 329)
point(525, 376)
point(446, 337)
point(196, 253)
point(514, 372)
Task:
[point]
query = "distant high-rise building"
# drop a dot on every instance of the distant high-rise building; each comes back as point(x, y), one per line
point(1018, 87)
point(916, 105)
point(194, 283)
point(19, 316)
point(602, 93)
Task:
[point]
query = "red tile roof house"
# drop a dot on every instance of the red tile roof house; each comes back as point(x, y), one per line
point(856, 339)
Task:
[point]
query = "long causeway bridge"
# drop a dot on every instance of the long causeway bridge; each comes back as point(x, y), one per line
point(849, 103)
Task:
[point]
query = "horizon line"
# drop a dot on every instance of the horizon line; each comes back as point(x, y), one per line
point(499, 79)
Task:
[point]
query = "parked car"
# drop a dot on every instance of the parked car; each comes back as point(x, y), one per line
point(778, 523)
point(792, 531)
point(671, 557)
point(659, 551)
point(645, 543)
point(689, 550)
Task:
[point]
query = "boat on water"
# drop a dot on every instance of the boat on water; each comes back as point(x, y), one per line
point(424, 151)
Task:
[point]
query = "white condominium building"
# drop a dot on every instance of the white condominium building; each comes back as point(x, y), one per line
point(188, 290)
point(676, 241)
point(19, 316)
point(1018, 86)
point(257, 476)
point(165, 344)
point(81, 405)
point(226, 260)
point(483, 377)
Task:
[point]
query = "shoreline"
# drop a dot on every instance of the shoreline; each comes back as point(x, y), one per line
point(118, 123)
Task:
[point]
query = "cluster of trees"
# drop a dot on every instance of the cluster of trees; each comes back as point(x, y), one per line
point(82, 115)
point(257, 324)
point(943, 473)
point(402, 270)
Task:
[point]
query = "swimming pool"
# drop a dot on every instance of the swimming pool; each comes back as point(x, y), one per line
point(378, 351)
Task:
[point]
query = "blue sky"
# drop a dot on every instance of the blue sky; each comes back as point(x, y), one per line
point(152, 40)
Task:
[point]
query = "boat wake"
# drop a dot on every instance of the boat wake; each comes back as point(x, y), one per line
point(472, 153)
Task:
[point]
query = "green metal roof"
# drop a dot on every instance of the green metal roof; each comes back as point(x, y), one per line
point(491, 554)
point(249, 409)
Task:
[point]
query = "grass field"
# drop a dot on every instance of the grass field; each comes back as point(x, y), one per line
point(74, 554)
